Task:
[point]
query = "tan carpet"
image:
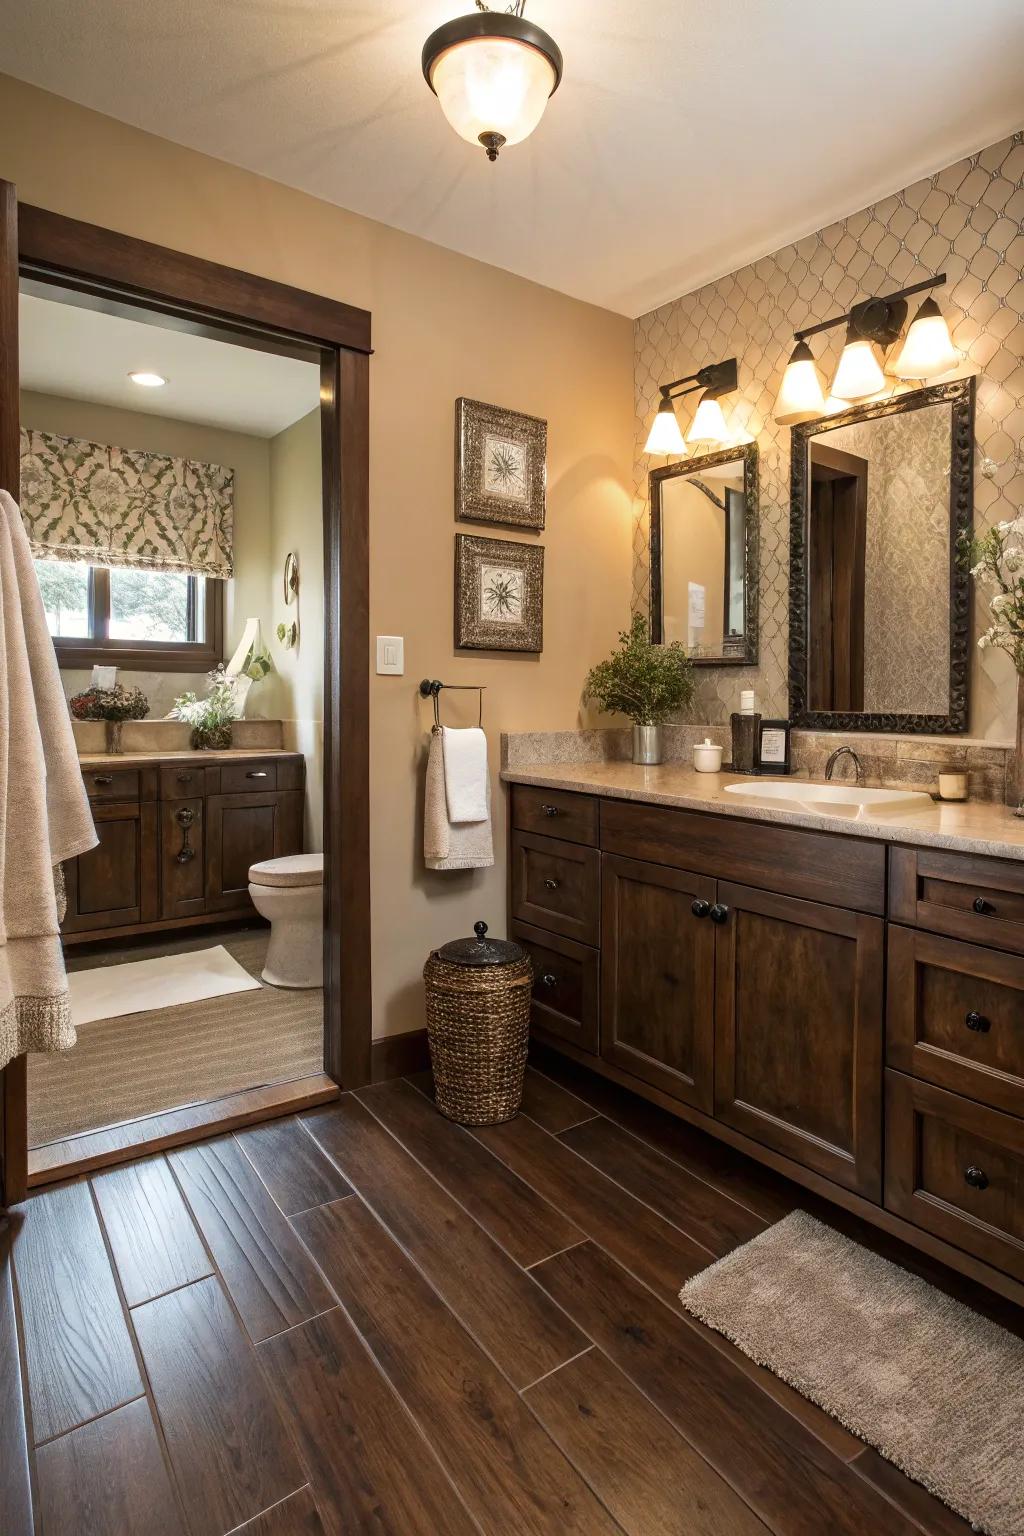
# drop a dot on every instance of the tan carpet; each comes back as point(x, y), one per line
point(934, 1387)
point(142, 1063)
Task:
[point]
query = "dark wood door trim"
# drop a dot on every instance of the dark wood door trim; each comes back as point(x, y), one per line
point(128, 275)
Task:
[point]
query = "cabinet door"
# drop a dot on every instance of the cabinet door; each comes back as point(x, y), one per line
point(240, 831)
point(657, 962)
point(114, 885)
point(182, 865)
point(798, 1032)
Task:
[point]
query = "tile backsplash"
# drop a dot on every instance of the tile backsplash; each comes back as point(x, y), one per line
point(965, 221)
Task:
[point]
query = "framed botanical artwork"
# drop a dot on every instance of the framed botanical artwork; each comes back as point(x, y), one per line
point(499, 594)
point(500, 465)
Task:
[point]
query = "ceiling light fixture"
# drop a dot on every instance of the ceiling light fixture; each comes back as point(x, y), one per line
point(708, 422)
point(492, 72)
point(927, 353)
point(148, 380)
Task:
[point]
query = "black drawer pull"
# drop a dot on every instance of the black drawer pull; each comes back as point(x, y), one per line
point(184, 778)
point(982, 907)
point(102, 778)
point(551, 883)
point(256, 773)
point(549, 979)
point(550, 810)
point(700, 908)
point(977, 1178)
point(185, 817)
point(978, 1022)
point(718, 913)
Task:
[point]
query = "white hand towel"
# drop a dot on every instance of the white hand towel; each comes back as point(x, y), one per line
point(465, 774)
point(462, 845)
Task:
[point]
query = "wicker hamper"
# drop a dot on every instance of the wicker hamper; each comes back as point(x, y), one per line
point(478, 1024)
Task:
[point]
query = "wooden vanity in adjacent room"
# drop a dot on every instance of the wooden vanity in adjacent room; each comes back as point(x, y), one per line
point(843, 1004)
point(178, 832)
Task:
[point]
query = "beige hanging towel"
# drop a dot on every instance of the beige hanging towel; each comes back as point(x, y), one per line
point(449, 844)
point(44, 810)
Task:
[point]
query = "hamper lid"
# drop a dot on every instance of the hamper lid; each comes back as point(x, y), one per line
point(481, 950)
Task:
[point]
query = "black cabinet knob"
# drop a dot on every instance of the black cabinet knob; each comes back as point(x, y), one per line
point(978, 1022)
point(700, 908)
point(549, 979)
point(982, 907)
point(718, 913)
point(551, 883)
point(183, 778)
point(977, 1178)
point(550, 810)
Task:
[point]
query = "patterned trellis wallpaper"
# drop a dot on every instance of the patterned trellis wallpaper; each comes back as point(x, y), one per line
point(966, 221)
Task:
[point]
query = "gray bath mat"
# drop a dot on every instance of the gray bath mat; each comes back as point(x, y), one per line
point(937, 1389)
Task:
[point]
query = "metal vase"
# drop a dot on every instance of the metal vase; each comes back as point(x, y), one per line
point(647, 744)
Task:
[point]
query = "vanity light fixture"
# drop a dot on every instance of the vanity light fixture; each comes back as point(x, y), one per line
point(870, 325)
point(708, 422)
point(148, 380)
point(492, 72)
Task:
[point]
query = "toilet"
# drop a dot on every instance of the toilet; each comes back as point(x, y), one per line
point(289, 893)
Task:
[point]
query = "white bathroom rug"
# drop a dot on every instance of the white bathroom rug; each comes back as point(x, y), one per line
point(108, 991)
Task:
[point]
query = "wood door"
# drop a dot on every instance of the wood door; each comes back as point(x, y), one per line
point(240, 831)
point(13, 1101)
point(115, 883)
point(837, 540)
point(798, 1032)
point(657, 963)
point(182, 859)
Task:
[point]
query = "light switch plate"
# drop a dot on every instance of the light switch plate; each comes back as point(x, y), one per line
point(391, 655)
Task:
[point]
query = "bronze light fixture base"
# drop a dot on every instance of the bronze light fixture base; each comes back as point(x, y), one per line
point(492, 142)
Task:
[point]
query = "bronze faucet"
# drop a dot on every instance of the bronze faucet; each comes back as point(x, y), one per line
point(836, 755)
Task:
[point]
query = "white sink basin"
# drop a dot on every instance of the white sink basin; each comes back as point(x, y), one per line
point(833, 799)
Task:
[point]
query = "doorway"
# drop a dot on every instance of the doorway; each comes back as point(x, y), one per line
point(112, 279)
point(837, 538)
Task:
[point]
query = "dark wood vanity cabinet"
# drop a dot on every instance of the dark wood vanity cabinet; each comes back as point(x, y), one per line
point(809, 997)
point(176, 840)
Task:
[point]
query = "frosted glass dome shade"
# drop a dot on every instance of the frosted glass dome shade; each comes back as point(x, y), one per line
point(927, 351)
point(708, 423)
point(492, 73)
point(859, 373)
point(800, 394)
point(665, 436)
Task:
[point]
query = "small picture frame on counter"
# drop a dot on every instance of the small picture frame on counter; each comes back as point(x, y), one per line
point(774, 745)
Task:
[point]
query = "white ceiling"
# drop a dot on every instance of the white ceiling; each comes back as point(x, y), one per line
point(688, 136)
point(88, 355)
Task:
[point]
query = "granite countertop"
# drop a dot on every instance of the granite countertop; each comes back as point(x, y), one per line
point(966, 827)
point(131, 759)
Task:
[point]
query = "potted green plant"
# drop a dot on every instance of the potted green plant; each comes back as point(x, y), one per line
point(212, 716)
point(997, 561)
point(113, 706)
point(647, 682)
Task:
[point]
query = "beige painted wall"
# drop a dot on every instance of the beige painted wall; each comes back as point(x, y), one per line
point(443, 326)
point(295, 691)
point(247, 455)
point(965, 221)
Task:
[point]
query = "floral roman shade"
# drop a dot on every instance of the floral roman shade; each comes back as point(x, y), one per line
point(124, 507)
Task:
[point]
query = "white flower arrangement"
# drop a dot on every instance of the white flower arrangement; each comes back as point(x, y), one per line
point(997, 561)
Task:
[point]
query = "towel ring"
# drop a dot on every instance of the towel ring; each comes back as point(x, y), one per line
point(430, 689)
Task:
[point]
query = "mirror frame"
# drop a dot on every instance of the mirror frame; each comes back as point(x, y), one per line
point(959, 394)
point(748, 453)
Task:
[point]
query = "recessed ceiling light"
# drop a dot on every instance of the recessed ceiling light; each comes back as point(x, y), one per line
point(148, 380)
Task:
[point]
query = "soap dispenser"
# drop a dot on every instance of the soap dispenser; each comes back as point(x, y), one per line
point(746, 726)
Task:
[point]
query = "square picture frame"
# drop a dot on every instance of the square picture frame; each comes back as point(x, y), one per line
point(500, 465)
point(499, 594)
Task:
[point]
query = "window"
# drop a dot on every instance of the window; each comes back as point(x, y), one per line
point(162, 620)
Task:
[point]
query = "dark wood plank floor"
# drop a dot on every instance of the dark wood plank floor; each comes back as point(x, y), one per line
point(367, 1319)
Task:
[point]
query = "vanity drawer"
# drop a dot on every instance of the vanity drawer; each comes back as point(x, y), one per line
point(965, 895)
point(112, 783)
point(555, 812)
point(956, 1168)
point(557, 886)
point(956, 1016)
point(566, 986)
point(180, 781)
point(236, 778)
point(816, 866)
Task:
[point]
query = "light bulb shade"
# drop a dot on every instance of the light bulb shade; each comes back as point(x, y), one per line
point(708, 424)
point(859, 372)
point(927, 350)
point(665, 436)
point(492, 72)
point(800, 397)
